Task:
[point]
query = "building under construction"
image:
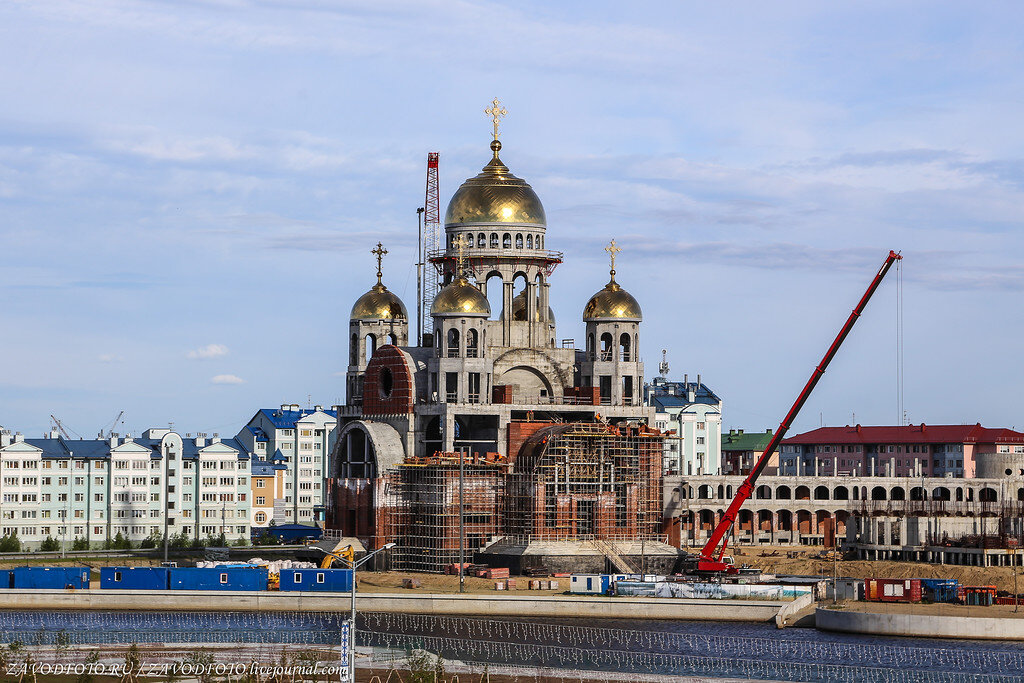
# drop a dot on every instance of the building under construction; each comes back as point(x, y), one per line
point(560, 467)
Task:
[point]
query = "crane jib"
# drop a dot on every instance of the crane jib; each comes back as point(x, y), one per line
point(709, 559)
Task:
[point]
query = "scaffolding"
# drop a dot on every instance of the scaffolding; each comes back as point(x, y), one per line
point(587, 481)
point(421, 511)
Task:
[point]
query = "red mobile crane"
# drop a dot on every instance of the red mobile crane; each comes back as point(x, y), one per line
point(711, 562)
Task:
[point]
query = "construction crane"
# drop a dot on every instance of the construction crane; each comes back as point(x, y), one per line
point(110, 431)
point(60, 427)
point(712, 557)
point(430, 245)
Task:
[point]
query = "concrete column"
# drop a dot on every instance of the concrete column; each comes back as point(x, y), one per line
point(506, 307)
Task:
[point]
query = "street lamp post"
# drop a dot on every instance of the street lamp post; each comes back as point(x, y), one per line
point(352, 618)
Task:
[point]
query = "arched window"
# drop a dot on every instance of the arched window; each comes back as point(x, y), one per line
point(481, 240)
point(529, 241)
point(261, 517)
point(472, 343)
point(506, 241)
point(392, 339)
point(606, 346)
point(494, 240)
point(353, 350)
point(469, 240)
point(371, 346)
point(519, 240)
point(453, 343)
point(624, 347)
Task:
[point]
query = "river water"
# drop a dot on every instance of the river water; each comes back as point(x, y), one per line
point(754, 651)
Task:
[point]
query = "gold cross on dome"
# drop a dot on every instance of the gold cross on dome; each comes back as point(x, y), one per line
point(460, 247)
point(496, 112)
point(379, 252)
point(613, 249)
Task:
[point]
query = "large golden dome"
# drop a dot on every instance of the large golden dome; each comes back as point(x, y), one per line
point(612, 303)
point(495, 196)
point(459, 298)
point(379, 304)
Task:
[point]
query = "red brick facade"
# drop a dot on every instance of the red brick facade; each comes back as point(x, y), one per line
point(388, 387)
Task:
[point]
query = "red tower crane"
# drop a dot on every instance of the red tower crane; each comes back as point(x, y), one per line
point(711, 561)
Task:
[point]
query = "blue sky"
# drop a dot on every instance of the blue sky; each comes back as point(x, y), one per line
point(189, 192)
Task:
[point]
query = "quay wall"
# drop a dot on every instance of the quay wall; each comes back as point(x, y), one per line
point(548, 606)
point(919, 625)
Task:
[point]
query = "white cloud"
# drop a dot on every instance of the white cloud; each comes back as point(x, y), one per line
point(109, 358)
point(227, 379)
point(207, 352)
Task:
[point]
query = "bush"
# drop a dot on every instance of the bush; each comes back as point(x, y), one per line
point(49, 545)
point(10, 544)
point(80, 543)
point(240, 542)
point(267, 539)
point(152, 541)
point(118, 542)
point(180, 541)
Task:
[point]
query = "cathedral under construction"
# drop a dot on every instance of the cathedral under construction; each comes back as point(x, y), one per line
point(486, 429)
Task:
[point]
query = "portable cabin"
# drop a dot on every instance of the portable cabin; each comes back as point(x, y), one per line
point(50, 577)
point(982, 596)
point(233, 578)
point(135, 578)
point(939, 590)
point(291, 533)
point(327, 580)
point(893, 590)
point(6, 578)
point(593, 584)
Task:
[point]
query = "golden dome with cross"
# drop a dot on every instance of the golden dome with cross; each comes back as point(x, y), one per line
point(495, 195)
point(612, 302)
point(379, 303)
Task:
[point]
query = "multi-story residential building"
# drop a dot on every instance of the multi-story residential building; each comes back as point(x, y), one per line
point(694, 413)
point(740, 450)
point(267, 491)
point(901, 451)
point(94, 489)
point(301, 440)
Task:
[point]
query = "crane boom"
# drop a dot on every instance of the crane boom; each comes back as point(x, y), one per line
point(710, 561)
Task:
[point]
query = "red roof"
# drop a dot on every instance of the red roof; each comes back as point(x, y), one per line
point(921, 433)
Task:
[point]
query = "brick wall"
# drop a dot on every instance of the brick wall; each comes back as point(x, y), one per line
point(376, 399)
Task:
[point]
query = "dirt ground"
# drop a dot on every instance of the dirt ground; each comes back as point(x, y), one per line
point(936, 609)
point(806, 563)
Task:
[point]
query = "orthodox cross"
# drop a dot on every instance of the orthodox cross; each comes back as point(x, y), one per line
point(460, 246)
point(613, 249)
point(379, 252)
point(496, 112)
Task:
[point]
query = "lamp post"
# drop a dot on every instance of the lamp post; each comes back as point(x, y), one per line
point(352, 618)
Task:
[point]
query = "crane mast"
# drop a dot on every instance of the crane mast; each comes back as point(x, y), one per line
point(711, 561)
point(430, 244)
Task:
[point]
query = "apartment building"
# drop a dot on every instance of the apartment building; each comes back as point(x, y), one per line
point(694, 413)
point(300, 440)
point(94, 489)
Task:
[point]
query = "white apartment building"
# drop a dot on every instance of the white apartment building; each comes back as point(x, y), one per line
point(302, 440)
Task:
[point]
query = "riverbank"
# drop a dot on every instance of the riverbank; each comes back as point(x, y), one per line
point(493, 605)
point(998, 622)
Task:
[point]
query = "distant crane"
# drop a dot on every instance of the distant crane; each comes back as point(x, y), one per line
point(430, 244)
point(110, 430)
point(60, 427)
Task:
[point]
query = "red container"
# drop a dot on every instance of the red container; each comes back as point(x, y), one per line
point(893, 590)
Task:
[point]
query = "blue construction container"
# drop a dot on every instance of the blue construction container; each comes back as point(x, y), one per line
point(330, 580)
point(594, 584)
point(291, 533)
point(135, 578)
point(233, 578)
point(6, 578)
point(50, 577)
point(940, 590)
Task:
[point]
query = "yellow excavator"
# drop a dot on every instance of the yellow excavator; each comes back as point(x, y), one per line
point(348, 553)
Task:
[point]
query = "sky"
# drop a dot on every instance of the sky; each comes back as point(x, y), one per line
point(190, 189)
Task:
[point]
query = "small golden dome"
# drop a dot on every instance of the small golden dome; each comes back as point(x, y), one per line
point(379, 304)
point(519, 309)
point(460, 298)
point(495, 196)
point(612, 303)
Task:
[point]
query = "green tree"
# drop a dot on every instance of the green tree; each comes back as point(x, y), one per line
point(180, 541)
point(49, 545)
point(80, 543)
point(10, 543)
